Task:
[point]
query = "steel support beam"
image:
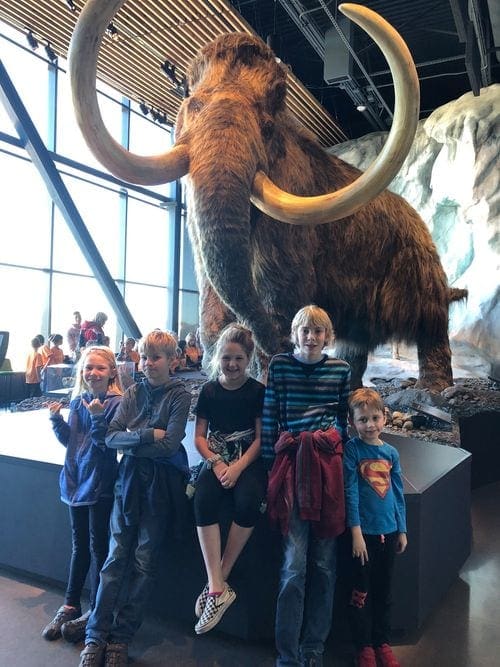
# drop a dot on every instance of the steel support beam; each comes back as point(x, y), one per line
point(40, 157)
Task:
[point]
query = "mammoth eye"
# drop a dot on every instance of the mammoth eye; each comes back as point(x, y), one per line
point(195, 105)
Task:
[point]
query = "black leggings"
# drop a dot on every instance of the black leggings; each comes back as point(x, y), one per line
point(90, 542)
point(370, 603)
point(247, 496)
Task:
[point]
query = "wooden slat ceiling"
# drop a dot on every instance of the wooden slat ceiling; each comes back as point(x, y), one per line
point(150, 32)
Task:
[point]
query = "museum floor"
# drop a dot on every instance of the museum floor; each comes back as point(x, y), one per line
point(464, 631)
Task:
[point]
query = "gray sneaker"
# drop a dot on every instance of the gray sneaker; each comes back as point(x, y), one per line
point(215, 608)
point(116, 655)
point(74, 631)
point(201, 601)
point(92, 656)
point(63, 615)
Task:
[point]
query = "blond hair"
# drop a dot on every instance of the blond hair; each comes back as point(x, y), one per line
point(108, 357)
point(364, 396)
point(158, 342)
point(312, 316)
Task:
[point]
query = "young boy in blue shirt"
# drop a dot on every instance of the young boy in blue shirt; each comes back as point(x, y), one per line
point(148, 427)
point(376, 515)
point(304, 423)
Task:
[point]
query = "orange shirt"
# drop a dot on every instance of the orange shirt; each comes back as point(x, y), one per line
point(34, 364)
point(56, 356)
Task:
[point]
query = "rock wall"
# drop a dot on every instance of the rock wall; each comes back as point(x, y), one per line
point(451, 177)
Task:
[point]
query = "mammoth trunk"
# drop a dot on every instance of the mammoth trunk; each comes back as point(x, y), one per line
point(223, 161)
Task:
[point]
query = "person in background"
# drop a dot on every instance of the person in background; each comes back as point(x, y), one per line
point(54, 356)
point(192, 352)
point(304, 424)
point(73, 336)
point(34, 365)
point(128, 352)
point(227, 435)
point(86, 481)
point(376, 515)
point(150, 499)
point(92, 330)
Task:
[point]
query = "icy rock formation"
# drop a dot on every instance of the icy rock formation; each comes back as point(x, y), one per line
point(451, 177)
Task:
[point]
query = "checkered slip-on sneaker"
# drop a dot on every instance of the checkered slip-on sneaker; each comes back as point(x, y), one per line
point(116, 655)
point(92, 656)
point(215, 608)
point(201, 601)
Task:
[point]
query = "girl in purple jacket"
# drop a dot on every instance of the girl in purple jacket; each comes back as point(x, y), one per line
point(86, 481)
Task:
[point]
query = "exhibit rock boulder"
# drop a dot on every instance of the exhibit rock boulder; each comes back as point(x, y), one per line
point(451, 177)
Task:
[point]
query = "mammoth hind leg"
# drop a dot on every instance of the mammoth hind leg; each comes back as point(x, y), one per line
point(434, 364)
point(356, 357)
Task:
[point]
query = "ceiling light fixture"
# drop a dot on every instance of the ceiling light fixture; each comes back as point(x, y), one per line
point(31, 40)
point(112, 31)
point(51, 54)
point(71, 5)
point(144, 108)
point(168, 69)
point(361, 107)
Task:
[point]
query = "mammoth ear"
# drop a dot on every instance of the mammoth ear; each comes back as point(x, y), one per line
point(276, 97)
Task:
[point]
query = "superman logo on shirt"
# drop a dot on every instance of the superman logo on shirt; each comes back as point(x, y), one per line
point(377, 472)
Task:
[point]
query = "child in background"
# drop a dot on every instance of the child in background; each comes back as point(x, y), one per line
point(54, 356)
point(227, 435)
point(303, 426)
point(150, 498)
point(192, 352)
point(86, 481)
point(128, 352)
point(376, 514)
point(34, 365)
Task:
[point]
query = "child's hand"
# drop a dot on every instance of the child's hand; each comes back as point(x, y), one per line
point(219, 470)
point(401, 543)
point(359, 549)
point(95, 407)
point(159, 434)
point(54, 408)
point(230, 476)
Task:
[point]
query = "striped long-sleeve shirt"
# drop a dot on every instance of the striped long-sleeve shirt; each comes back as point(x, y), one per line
point(303, 397)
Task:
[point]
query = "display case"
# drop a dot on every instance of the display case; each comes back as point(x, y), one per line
point(59, 380)
point(126, 371)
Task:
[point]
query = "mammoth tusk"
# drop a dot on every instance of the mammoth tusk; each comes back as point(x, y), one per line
point(336, 205)
point(84, 49)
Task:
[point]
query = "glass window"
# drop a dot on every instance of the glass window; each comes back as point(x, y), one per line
point(188, 315)
point(188, 275)
point(100, 210)
point(25, 219)
point(25, 296)
point(70, 293)
point(30, 76)
point(70, 141)
point(148, 243)
point(148, 306)
point(148, 138)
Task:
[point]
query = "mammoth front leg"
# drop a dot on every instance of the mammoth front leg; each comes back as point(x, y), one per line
point(356, 357)
point(214, 316)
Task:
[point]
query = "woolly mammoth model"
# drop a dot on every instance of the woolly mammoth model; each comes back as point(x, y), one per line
point(360, 252)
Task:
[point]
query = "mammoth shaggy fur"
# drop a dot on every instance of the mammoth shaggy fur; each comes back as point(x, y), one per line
point(377, 272)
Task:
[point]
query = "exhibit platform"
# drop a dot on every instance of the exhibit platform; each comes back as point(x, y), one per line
point(35, 531)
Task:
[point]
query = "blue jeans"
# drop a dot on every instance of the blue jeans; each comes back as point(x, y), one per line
point(127, 577)
point(305, 598)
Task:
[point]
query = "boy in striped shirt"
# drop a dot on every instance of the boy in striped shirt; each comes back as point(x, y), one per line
point(304, 426)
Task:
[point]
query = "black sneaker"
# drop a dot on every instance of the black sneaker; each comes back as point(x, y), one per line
point(313, 660)
point(74, 631)
point(92, 656)
point(215, 607)
point(116, 655)
point(64, 614)
point(201, 601)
